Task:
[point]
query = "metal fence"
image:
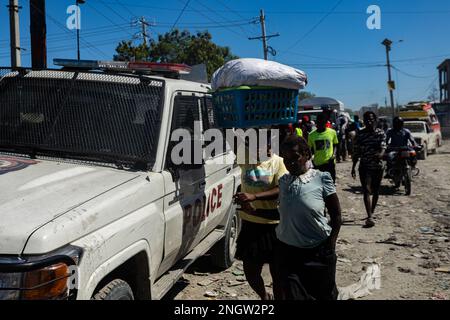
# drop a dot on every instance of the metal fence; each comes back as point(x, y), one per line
point(84, 113)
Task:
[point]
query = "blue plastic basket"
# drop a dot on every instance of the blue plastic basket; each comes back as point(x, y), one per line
point(255, 107)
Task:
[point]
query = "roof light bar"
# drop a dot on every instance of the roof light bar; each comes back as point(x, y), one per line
point(160, 67)
point(71, 63)
point(150, 67)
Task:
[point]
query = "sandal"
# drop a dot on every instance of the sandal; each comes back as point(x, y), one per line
point(369, 223)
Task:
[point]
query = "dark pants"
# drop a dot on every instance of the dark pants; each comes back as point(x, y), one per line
point(370, 179)
point(328, 167)
point(342, 150)
point(306, 274)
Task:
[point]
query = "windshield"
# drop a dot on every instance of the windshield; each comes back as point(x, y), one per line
point(80, 115)
point(415, 127)
point(313, 115)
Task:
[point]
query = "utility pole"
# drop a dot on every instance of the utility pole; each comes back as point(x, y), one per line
point(144, 25)
point(14, 33)
point(264, 37)
point(77, 3)
point(391, 84)
point(38, 31)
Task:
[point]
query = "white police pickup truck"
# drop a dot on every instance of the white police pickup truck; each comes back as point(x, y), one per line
point(91, 204)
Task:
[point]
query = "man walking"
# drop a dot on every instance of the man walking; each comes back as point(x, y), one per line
point(323, 143)
point(369, 148)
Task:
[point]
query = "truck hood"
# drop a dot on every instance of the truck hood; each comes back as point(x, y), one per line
point(34, 192)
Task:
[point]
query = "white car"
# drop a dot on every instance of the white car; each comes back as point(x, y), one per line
point(91, 205)
point(424, 136)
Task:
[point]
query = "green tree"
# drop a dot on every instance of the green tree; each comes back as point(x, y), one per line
point(178, 47)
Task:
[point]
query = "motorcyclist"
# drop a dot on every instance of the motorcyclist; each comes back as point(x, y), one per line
point(397, 138)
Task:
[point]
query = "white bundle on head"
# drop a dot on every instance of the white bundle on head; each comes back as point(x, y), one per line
point(258, 72)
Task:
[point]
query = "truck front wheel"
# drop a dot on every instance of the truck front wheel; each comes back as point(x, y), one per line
point(115, 290)
point(222, 254)
point(423, 154)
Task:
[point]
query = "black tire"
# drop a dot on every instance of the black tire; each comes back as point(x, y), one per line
point(435, 151)
point(423, 154)
point(115, 290)
point(222, 254)
point(408, 178)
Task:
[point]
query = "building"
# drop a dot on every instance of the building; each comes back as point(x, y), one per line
point(444, 83)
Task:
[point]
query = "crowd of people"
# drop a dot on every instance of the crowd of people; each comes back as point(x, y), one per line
point(290, 209)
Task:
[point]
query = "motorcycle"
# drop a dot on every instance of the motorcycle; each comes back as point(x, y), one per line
point(401, 166)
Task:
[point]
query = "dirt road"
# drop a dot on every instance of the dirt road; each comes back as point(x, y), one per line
point(410, 241)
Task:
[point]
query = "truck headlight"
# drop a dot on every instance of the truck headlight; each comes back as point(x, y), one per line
point(38, 278)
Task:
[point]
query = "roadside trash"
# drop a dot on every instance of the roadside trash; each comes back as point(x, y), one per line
point(370, 280)
point(235, 283)
point(426, 230)
point(439, 296)
point(392, 240)
point(445, 269)
point(207, 282)
point(344, 260)
point(241, 279)
point(366, 241)
point(211, 294)
point(203, 274)
point(238, 273)
point(229, 292)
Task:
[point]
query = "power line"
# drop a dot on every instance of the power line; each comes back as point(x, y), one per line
point(115, 12)
point(411, 75)
point(236, 12)
point(59, 37)
point(210, 19)
point(292, 12)
point(70, 48)
point(123, 6)
point(181, 13)
point(215, 12)
point(315, 26)
point(63, 27)
point(107, 18)
point(222, 17)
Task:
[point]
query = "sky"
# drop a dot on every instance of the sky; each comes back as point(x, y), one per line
point(328, 39)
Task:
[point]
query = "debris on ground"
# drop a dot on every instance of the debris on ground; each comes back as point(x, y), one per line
point(370, 280)
point(426, 230)
point(207, 282)
point(445, 269)
point(439, 296)
point(211, 294)
point(238, 273)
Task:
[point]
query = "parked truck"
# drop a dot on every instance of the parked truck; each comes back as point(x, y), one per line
point(91, 204)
